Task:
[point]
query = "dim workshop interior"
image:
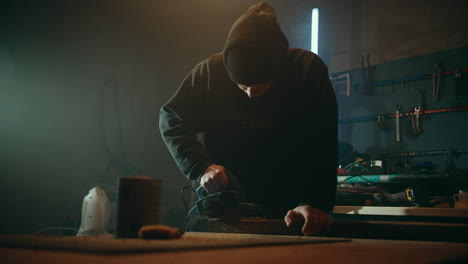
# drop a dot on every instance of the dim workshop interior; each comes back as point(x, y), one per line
point(195, 131)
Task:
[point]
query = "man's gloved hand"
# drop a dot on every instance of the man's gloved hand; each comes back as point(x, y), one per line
point(315, 220)
point(214, 179)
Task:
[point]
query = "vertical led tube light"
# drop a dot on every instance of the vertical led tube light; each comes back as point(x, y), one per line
point(315, 31)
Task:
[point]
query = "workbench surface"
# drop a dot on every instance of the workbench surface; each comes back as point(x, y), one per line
point(354, 251)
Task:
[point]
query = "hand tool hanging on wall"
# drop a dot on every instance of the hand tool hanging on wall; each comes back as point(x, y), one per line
point(397, 128)
point(417, 111)
point(411, 125)
point(436, 73)
point(366, 75)
point(414, 129)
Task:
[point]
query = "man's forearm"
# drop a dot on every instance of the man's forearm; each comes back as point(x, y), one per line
point(189, 154)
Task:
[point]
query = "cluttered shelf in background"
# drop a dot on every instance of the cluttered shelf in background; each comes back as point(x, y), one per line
point(400, 211)
point(401, 190)
point(405, 179)
point(393, 178)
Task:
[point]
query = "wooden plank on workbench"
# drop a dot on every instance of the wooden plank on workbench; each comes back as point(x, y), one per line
point(351, 229)
point(190, 241)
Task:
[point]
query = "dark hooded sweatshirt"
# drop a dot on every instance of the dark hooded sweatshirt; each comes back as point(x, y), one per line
point(282, 145)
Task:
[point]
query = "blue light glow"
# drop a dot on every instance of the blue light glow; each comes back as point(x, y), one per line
point(315, 31)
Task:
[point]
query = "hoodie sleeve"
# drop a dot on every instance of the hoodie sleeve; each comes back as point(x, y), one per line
point(329, 145)
point(322, 195)
point(181, 118)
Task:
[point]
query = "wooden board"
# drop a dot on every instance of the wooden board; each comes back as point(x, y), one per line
point(190, 241)
point(450, 232)
point(362, 251)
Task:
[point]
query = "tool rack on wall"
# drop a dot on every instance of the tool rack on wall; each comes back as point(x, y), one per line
point(400, 148)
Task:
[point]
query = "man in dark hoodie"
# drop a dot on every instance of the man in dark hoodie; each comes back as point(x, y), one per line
point(267, 114)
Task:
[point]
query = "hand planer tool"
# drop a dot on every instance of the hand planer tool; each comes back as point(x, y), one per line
point(229, 203)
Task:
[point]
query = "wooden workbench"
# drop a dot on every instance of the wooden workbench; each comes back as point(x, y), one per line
point(354, 251)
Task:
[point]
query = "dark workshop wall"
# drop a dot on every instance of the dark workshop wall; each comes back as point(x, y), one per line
point(58, 59)
point(389, 30)
point(60, 56)
point(70, 68)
